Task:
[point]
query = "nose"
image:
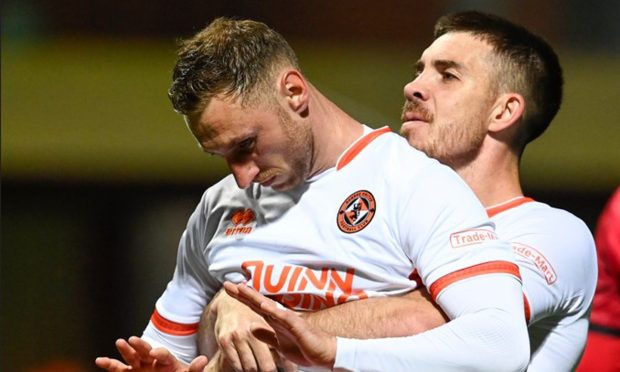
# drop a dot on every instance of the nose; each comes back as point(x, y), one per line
point(414, 90)
point(244, 172)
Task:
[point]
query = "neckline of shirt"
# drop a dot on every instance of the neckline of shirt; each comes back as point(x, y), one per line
point(352, 150)
point(507, 204)
point(358, 145)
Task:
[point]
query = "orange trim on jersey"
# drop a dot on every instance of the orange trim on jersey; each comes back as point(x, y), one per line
point(173, 328)
point(526, 307)
point(492, 267)
point(504, 207)
point(359, 146)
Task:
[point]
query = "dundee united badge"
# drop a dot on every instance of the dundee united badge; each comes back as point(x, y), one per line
point(356, 212)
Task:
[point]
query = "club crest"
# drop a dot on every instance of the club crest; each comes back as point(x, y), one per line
point(356, 212)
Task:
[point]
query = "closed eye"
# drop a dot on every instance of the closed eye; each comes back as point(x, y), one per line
point(448, 76)
point(246, 145)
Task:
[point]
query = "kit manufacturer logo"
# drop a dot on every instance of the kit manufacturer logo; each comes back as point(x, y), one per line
point(240, 219)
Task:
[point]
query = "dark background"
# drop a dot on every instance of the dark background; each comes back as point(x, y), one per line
point(99, 175)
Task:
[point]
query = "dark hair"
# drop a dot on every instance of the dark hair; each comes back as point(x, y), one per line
point(527, 65)
point(230, 57)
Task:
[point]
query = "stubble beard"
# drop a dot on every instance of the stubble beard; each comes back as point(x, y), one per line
point(299, 149)
point(453, 144)
point(456, 144)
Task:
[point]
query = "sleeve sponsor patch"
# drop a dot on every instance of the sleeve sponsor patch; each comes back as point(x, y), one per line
point(471, 237)
point(538, 259)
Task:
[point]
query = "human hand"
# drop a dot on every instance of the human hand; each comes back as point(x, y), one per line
point(141, 357)
point(306, 344)
point(218, 363)
point(229, 325)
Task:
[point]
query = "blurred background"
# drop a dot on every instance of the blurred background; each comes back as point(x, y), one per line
point(99, 175)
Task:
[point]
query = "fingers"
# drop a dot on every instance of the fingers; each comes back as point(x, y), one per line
point(142, 349)
point(231, 289)
point(262, 355)
point(217, 363)
point(253, 352)
point(272, 312)
point(163, 356)
point(129, 354)
point(264, 334)
point(198, 364)
point(246, 295)
point(111, 365)
point(246, 355)
point(228, 350)
point(288, 366)
point(269, 309)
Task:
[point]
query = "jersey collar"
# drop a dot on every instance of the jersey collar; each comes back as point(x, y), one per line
point(357, 146)
point(508, 204)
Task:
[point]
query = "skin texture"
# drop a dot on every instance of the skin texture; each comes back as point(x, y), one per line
point(438, 117)
point(261, 143)
point(454, 113)
point(298, 340)
point(139, 356)
point(226, 319)
point(228, 340)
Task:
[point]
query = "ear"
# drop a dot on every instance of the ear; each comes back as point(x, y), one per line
point(508, 110)
point(294, 88)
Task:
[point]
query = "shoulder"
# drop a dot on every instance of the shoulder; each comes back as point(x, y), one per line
point(556, 220)
point(401, 160)
point(554, 233)
point(537, 217)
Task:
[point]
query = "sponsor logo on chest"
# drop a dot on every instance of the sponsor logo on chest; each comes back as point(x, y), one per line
point(300, 287)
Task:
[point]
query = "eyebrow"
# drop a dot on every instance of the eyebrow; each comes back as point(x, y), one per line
point(440, 64)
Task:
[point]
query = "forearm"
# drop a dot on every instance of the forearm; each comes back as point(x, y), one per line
point(405, 315)
point(207, 343)
point(487, 333)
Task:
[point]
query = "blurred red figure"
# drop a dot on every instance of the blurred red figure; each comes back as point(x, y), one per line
point(602, 352)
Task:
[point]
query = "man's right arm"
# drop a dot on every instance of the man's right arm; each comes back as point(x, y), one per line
point(175, 320)
point(380, 317)
point(404, 315)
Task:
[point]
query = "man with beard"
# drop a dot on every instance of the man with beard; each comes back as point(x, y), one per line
point(483, 90)
point(240, 90)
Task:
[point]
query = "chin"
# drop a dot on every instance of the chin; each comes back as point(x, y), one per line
point(416, 144)
point(284, 186)
point(411, 141)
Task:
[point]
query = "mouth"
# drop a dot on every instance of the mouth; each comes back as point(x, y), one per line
point(268, 182)
point(411, 116)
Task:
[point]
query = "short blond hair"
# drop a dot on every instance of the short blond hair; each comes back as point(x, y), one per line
point(236, 58)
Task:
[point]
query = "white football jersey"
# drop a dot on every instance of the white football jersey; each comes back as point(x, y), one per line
point(384, 214)
point(557, 259)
